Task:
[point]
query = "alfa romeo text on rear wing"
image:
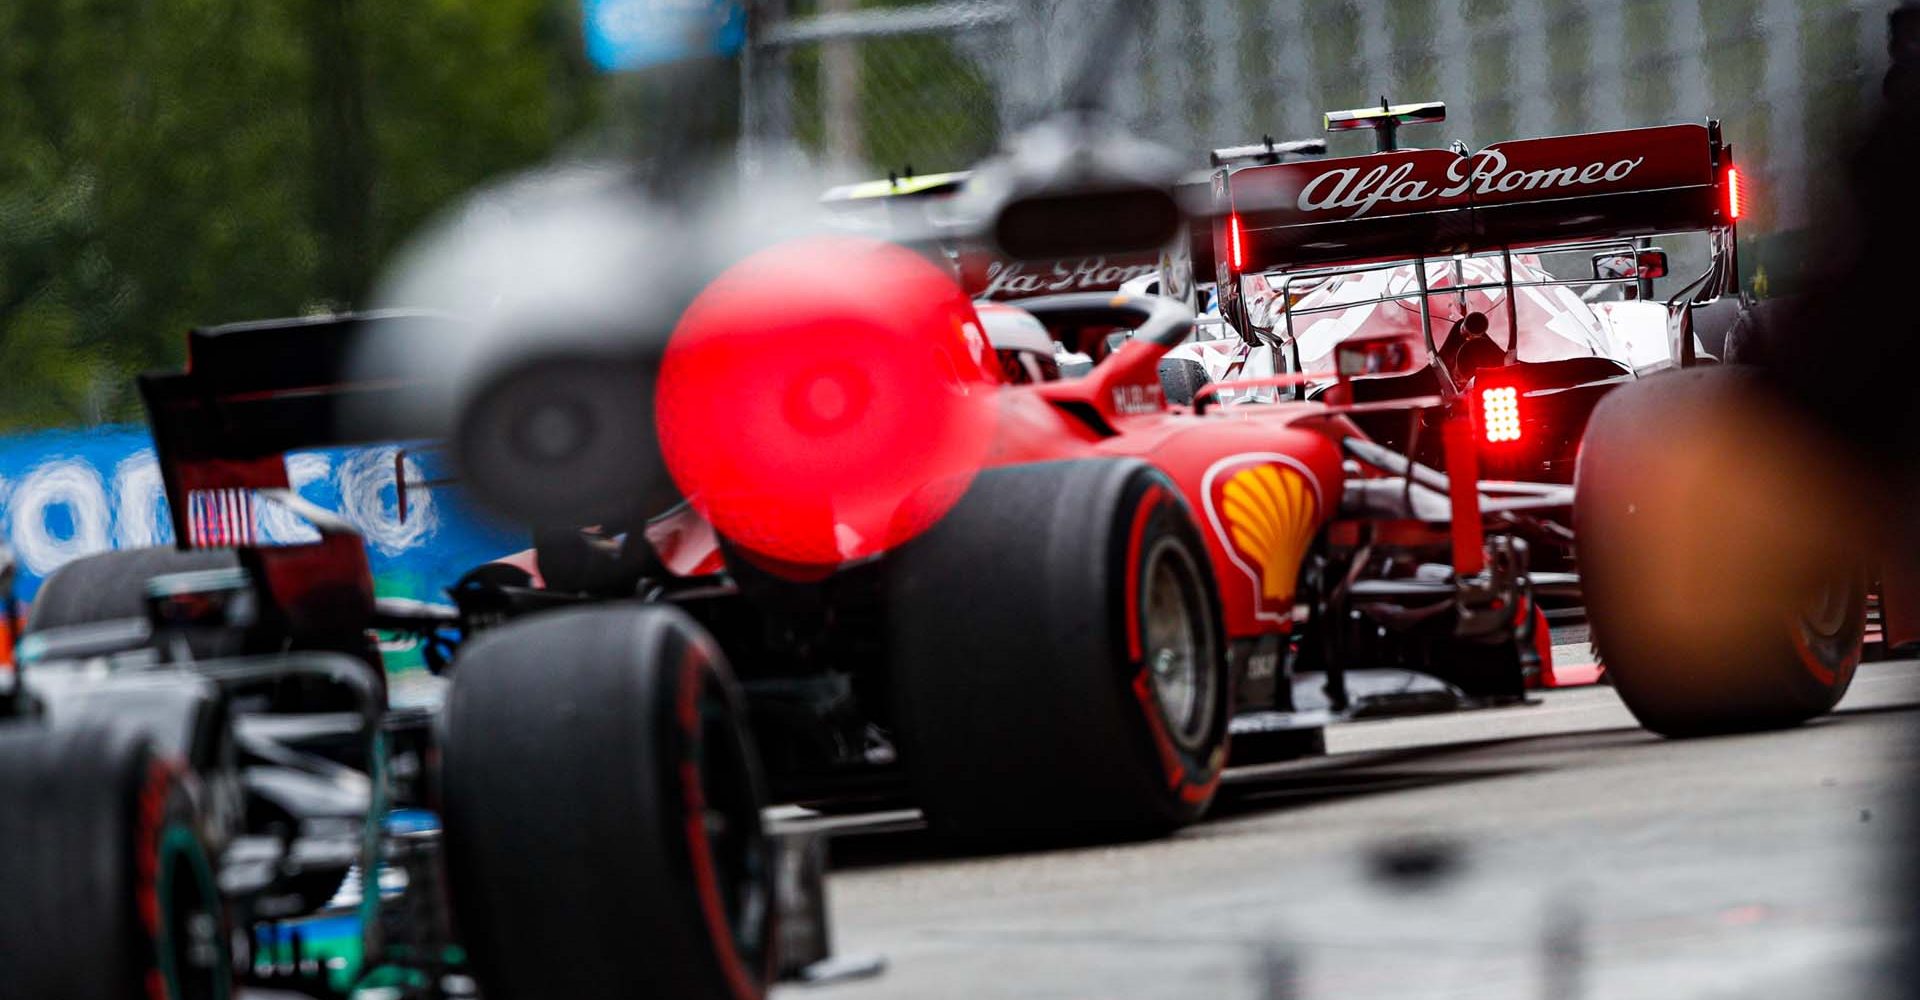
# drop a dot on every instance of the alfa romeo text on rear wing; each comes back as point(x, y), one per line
point(1431, 202)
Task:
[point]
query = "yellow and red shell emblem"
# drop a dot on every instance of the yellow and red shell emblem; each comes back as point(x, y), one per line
point(1265, 509)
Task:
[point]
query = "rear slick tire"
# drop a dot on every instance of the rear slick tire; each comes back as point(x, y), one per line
point(602, 804)
point(1724, 589)
point(1058, 665)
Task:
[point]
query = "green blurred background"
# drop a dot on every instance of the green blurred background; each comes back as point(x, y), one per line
point(170, 162)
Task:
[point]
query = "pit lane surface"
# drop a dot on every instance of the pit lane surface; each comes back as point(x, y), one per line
point(1554, 850)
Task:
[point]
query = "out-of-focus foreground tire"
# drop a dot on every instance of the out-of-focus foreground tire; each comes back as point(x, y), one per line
point(109, 891)
point(1724, 583)
point(1058, 658)
point(602, 808)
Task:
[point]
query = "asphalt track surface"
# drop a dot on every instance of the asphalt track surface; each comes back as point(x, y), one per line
point(1553, 850)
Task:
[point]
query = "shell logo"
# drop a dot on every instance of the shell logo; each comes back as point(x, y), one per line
point(1264, 508)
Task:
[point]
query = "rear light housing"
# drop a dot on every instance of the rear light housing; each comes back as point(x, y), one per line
point(1236, 252)
point(1496, 414)
point(1736, 197)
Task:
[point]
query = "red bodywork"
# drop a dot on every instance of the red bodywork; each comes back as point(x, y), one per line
point(1260, 481)
point(820, 434)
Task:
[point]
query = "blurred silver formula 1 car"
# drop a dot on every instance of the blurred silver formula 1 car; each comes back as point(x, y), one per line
point(206, 783)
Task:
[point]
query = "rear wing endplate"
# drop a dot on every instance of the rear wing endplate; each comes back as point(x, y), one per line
point(252, 392)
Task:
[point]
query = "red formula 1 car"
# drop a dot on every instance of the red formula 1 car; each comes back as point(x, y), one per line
point(208, 785)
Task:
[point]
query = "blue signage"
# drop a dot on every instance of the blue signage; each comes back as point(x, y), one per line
point(634, 34)
point(66, 494)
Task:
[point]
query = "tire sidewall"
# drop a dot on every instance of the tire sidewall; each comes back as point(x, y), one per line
point(697, 683)
point(170, 861)
point(1152, 513)
point(1015, 648)
point(1824, 666)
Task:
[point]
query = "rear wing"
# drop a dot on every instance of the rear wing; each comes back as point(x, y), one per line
point(1429, 202)
point(895, 187)
point(986, 274)
point(917, 211)
point(252, 392)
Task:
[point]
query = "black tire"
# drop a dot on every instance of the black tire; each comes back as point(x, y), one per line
point(570, 739)
point(1750, 340)
point(1020, 637)
point(113, 585)
point(1714, 323)
point(110, 893)
point(1181, 379)
point(1722, 588)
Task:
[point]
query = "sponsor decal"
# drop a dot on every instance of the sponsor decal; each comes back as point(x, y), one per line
point(1358, 190)
point(1264, 509)
point(1132, 400)
point(1012, 279)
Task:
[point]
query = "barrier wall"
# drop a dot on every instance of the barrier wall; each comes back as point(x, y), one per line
point(65, 494)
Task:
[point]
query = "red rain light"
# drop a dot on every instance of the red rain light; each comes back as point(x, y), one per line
point(826, 400)
point(1500, 414)
point(1736, 200)
point(1238, 255)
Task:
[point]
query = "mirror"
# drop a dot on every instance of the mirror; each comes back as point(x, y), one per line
point(1621, 264)
point(1373, 356)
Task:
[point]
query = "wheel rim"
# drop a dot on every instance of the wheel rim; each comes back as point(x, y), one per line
point(731, 823)
point(1177, 644)
point(193, 961)
point(1827, 630)
point(1826, 614)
